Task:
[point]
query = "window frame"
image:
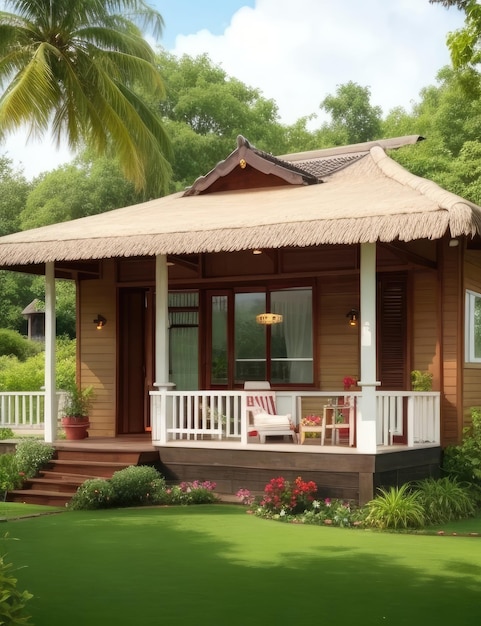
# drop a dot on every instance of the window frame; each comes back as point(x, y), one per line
point(469, 329)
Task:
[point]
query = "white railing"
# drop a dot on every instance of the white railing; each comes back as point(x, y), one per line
point(24, 409)
point(198, 415)
point(409, 418)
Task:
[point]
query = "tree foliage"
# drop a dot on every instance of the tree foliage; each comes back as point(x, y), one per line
point(205, 110)
point(73, 67)
point(354, 118)
point(14, 190)
point(85, 187)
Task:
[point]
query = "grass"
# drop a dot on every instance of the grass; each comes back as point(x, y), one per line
point(216, 565)
point(14, 510)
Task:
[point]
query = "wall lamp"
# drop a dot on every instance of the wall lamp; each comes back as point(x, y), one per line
point(100, 321)
point(353, 316)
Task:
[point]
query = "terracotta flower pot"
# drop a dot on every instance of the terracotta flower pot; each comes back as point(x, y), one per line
point(75, 427)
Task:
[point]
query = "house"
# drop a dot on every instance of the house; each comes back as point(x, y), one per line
point(175, 299)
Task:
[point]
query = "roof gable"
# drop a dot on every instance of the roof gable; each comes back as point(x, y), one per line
point(249, 168)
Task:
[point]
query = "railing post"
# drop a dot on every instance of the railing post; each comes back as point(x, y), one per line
point(410, 425)
point(244, 418)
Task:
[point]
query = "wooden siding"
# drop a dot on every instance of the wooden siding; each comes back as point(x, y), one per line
point(472, 371)
point(338, 346)
point(97, 349)
point(424, 336)
point(452, 338)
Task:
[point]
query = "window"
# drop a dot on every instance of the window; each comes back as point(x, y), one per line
point(473, 327)
point(242, 349)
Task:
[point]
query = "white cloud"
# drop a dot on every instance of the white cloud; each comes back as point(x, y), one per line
point(298, 52)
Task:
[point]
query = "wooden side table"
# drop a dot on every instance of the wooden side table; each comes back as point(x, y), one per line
point(313, 429)
point(330, 412)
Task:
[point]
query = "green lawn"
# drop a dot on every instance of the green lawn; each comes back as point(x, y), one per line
point(216, 565)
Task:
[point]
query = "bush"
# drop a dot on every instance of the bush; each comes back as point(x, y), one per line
point(280, 494)
point(6, 433)
point(13, 343)
point(445, 499)
point(395, 508)
point(12, 601)
point(137, 485)
point(464, 461)
point(10, 478)
point(32, 455)
point(195, 492)
point(96, 493)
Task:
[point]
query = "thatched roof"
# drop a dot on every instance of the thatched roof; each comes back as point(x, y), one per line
point(364, 197)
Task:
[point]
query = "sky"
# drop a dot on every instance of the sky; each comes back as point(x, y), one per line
point(297, 52)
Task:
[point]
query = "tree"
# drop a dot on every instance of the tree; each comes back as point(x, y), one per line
point(464, 43)
point(205, 110)
point(84, 187)
point(13, 195)
point(354, 119)
point(73, 67)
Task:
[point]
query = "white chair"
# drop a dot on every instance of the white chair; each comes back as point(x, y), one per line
point(262, 417)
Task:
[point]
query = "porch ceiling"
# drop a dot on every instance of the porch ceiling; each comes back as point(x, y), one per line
point(370, 199)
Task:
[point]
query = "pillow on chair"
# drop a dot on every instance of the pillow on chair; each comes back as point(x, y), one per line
point(266, 421)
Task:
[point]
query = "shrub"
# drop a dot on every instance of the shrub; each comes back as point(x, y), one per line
point(10, 477)
point(395, 508)
point(464, 461)
point(96, 493)
point(137, 485)
point(13, 343)
point(445, 499)
point(12, 601)
point(6, 433)
point(195, 492)
point(32, 455)
point(281, 494)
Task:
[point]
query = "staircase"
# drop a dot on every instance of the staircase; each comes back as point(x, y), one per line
point(70, 467)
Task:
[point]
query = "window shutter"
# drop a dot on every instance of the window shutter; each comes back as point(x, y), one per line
point(392, 331)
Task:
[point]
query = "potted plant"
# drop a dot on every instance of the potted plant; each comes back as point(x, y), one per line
point(75, 420)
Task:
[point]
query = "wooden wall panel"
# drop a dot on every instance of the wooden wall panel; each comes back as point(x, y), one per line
point(97, 349)
point(472, 371)
point(424, 324)
point(451, 309)
point(338, 342)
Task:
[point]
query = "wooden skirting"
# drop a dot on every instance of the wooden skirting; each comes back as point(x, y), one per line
point(338, 475)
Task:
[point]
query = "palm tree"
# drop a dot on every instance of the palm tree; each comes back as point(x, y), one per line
point(76, 68)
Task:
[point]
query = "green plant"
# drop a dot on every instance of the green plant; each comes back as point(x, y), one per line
point(421, 381)
point(445, 499)
point(6, 433)
point(78, 401)
point(10, 477)
point(464, 461)
point(137, 485)
point(96, 493)
point(13, 343)
point(12, 601)
point(31, 455)
point(395, 508)
point(196, 492)
point(282, 495)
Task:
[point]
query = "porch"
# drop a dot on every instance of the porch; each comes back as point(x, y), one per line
point(204, 435)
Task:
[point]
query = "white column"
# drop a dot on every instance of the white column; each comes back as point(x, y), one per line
point(366, 414)
point(50, 418)
point(161, 323)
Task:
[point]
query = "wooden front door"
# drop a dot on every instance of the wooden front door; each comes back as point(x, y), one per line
point(135, 364)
